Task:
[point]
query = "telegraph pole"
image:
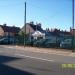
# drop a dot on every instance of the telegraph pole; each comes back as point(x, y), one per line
point(73, 12)
point(73, 26)
point(25, 26)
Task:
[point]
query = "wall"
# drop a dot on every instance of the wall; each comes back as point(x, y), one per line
point(1, 32)
point(28, 29)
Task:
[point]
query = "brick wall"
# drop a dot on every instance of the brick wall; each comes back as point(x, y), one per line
point(1, 32)
point(72, 32)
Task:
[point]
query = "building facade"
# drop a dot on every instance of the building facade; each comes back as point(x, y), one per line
point(8, 30)
point(31, 28)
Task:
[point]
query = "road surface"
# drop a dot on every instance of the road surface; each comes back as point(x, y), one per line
point(14, 61)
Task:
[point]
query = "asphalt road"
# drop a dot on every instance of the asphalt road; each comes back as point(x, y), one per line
point(19, 62)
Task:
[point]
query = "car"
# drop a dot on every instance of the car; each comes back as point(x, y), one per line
point(39, 43)
point(7, 40)
point(67, 43)
point(42, 42)
point(50, 43)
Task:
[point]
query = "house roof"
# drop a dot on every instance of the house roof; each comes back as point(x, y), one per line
point(10, 29)
point(51, 34)
point(57, 33)
point(65, 33)
point(35, 27)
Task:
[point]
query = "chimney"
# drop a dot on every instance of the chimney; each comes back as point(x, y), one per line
point(4, 24)
point(32, 23)
point(39, 24)
point(70, 29)
point(46, 29)
point(51, 29)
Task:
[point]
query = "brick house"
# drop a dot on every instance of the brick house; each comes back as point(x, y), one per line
point(72, 31)
point(8, 30)
point(31, 28)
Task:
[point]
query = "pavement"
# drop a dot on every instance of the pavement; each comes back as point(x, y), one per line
point(63, 52)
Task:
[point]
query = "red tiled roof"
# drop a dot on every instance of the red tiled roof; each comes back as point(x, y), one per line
point(10, 29)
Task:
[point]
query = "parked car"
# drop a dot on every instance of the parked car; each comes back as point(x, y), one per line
point(6, 40)
point(39, 43)
point(48, 42)
point(67, 43)
point(52, 43)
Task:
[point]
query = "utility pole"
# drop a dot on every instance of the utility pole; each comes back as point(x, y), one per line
point(73, 26)
point(73, 12)
point(25, 26)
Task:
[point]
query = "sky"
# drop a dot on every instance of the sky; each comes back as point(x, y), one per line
point(50, 13)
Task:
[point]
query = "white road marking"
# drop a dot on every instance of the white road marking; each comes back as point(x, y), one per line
point(50, 60)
